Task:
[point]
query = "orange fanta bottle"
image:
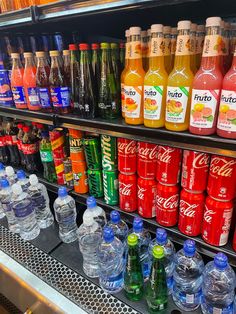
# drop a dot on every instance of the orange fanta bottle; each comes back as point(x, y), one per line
point(134, 79)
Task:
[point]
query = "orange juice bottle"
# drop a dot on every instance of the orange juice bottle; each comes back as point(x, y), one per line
point(200, 35)
point(155, 81)
point(167, 52)
point(7, 5)
point(134, 79)
point(193, 31)
point(180, 83)
point(20, 4)
point(144, 49)
point(122, 78)
point(173, 45)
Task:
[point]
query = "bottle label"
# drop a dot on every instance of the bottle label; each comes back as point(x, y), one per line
point(60, 96)
point(152, 102)
point(11, 140)
point(173, 46)
point(6, 97)
point(2, 141)
point(133, 98)
point(24, 212)
point(29, 149)
point(212, 46)
point(33, 96)
point(227, 111)
point(199, 44)
point(203, 108)
point(176, 103)
point(123, 97)
point(167, 45)
point(157, 47)
point(183, 45)
point(44, 96)
point(135, 50)
point(18, 95)
point(194, 298)
point(46, 156)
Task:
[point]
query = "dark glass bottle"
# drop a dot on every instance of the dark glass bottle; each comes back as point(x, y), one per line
point(66, 66)
point(74, 76)
point(115, 59)
point(122, 55)
point(96, 64)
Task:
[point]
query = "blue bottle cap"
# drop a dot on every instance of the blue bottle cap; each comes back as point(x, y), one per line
point(62, 191)
point(161, 236)
point(4, 183)
point(189, 248)
point(91, 202)
point(137, 224)
point(115, 216)
point(2, 167)
point(20, 174)
point(108, 234)
point(221, 260)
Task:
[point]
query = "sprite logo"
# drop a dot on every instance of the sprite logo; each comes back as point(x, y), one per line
point(108, 152)
point(105, 185)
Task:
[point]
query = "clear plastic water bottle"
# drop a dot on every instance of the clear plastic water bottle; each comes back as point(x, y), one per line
point(169, 250)
point(110, 257)
point(6, 201)
point(96, 211)
point(65, 213)
point(22, 180)
point(187, 277)
point(118, 226)
point(25, 213)
point(2, 171)
point(144, 239)
point(90, 236)
point(218, 286)
point(40, 199)
point(10, 174)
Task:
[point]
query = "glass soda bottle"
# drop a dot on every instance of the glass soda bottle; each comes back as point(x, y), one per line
point(66, 66)
point(96, 65)
point(42, 81)
point(167, 48)
point(45, 149)
point(30, 150)
point(207, 83)
point(124, 72)
point(59, 91)
point(180, 83)
point(74, 76)
point(133, 80)
point(155, 81)
point(122, 55)
point(115, 60)
point(17, 82)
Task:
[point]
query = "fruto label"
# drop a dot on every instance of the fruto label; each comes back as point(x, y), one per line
point(176, 103)
point(135, 50)
point(183, 45)
point(6, 98)
point(203, 108)
point(157, 47)
point(60, 96)
point(33, 96)
point(227, 111)
point(46, 156)
point(167, 45)
point(133, 99)
point(152, 102)
point(44, 97)
point(18, 95)
point(213, 45)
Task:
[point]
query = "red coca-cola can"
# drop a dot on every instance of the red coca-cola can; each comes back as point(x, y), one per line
point(234, 240)
point(167, 204)
point(128, 192)
point(216, 221)
point(191, 207)
point(168, 164)
point(147, 192)
point(147, 160)
point(127, 155)
point(195, 171)
point(222, 178)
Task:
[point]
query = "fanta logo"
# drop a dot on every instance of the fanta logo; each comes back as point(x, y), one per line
point(174, 94)
point(168, 203)
point(163, 154)
point(141, 192)
point(201, 161)
point(208, 214)
point(125, 189)
point(150, 93)
point(75, 142)
point(187, 209)
point(130, 92)
point(202, 98)
point(147, 153)
point(228, 99)
point(222, 167)
point(124, 148)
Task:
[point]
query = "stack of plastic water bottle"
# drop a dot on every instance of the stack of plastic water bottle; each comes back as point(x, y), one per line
point(24, 202)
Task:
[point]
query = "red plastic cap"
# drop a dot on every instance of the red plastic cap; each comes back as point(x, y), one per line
point(26, 128)
point(122, 45)
point(73, 47)
point(39, 125)
point(34, 123)
point(83, 47)
point(20, 125)
point(95, 46)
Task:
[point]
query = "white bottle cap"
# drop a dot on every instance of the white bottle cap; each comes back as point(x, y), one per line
point(156, 28)
point(184, 25)
point(17, 189)
point(88, 219)
point(135, 30)
point(9, 171)
point(127, 33)
point(193, 27)
point(213, 21)
point(33, 179)
point(174, 31)
point(201, 28)
point(166, 29)
point(143, 33)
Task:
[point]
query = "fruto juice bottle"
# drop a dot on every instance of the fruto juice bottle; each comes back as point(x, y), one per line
point(207, 83)
point(200, 35)
point(29, 82)
point(134, 79)
point(226, 125)
point(193, 30)
point(173, 40)
point(17, 82)
point(155, 81)
point(180, 83)
point(144, 50)
point(167, 51)
point(122, 78)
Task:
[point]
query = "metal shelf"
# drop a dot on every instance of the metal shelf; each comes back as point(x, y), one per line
point(16, 18)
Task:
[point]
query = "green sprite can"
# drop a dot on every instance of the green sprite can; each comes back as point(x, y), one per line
point(109, 153)
point(111, 187)
point(95, 183)
point(92, 149)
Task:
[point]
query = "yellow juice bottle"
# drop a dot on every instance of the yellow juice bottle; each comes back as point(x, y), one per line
point(134, 79)
point(173, 45)
point(155, 81)
point(122, 78)
point(200, 35)
point(167, 52)
point(178, 99)
point(144, 49)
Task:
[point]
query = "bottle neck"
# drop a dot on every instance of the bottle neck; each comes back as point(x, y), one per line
point(66, 60)
point(17, 64)
point(156, 58)
point(84, 57)
point(73, 56)
point(55, 62)
point(182, 56)
point(135, 56)
point(41, 62)
point(29, 63)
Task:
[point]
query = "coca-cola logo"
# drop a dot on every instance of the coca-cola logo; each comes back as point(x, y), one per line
point(127, 148)
point(208, 214)
point(222, 167)
point(187, 209)
point(125, 189)
point(201, 160)
point(141, 192)
point(163, 154)
point(171, 202)
point(148, 153)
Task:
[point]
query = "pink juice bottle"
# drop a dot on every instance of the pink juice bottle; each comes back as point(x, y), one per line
point(226, 125)
point(207, 82)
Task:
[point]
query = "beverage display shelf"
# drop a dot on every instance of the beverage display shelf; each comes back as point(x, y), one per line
point(16, 18)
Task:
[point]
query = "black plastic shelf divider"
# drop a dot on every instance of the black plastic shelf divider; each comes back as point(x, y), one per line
point(16, 18)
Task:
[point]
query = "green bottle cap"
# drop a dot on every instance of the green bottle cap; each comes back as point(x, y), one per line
point(132, 239)
point(114, 46)
point(158, 251)
point(105, 45)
